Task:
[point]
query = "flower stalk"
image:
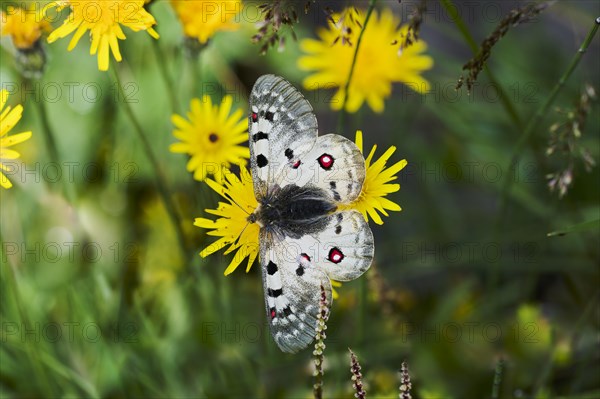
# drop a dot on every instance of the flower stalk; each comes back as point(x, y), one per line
point(160, 178)
point(322, 318)
point(353, 65)
point(357, 383)
point(537, 118)
point(165, 76)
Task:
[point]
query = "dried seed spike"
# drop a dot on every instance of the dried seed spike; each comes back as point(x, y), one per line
point(275, 15)
point(320, 336)
point(514, 18)
point(356, 376)
point(405, 384)
point(565, 142)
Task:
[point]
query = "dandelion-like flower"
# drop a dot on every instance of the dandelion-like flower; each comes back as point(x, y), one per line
point(103, 19)
point(201, 19)
point(8, 119)
point(24, 26)
point(211, 136)
point(378, 62)
point(232, 226)
point(376, 186)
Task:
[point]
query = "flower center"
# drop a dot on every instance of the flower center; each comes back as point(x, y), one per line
point(213, 137)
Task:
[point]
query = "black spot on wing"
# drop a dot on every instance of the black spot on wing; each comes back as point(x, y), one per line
point(289, 153)
point(336, 195)
point(338, 229)
point(259, 136)
point(269, 116)
point(261, 161)
point(274, 293)
point(271, 268)
point(300, 270)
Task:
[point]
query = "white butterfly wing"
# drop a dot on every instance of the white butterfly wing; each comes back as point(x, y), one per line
point(281, 125)
point(343, 250)
point(334, 164)
point(292, 293)
point(295, 269)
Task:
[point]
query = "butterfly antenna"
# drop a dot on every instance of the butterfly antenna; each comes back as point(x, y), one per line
point(242, 232)
point(226, 195)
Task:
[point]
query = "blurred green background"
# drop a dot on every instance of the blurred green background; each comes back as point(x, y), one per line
point(97, 300)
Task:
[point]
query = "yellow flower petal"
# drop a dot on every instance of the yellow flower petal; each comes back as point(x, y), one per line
point(238, 235)
point(201, 19)
point(8, 119)
point(25, 26)
point(4, 182)
point(329, 60)
point(103, 19)
point(371, 200)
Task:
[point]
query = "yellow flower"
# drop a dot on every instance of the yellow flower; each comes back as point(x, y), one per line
point(8, 119)
point(376, 185)
point(232, 225)
point(378, 62)
point(211, 136)
point(201, 19)
point(25, 26)
point(334, 285)
point(103, 19)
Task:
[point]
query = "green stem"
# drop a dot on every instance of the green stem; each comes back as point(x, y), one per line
point(351, 73)
point(165, 75)
point(51, 142)
point(534, 122)
point(160, 178)
point(497, 379)
point(464, 30)
point(47, 131)
point(195, 67)
point(32, 352)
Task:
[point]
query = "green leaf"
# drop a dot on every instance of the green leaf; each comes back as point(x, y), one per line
point(591, 224)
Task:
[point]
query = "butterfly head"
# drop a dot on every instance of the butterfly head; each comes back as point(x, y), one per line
point(255, 217)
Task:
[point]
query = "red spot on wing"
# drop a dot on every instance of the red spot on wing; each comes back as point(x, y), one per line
point(335, 255)
point(273, 314)
point(296, 164)
point(254, 116)
point(305, 256)
point(326, 161)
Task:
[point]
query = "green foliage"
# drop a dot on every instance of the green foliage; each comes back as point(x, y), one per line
point(98, 301)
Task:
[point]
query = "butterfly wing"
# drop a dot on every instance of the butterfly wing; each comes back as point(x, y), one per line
point(295, 269)
point(343, 250)
point(334, 164)
point(281, 125)
point(285, 149)
point(292, 300)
